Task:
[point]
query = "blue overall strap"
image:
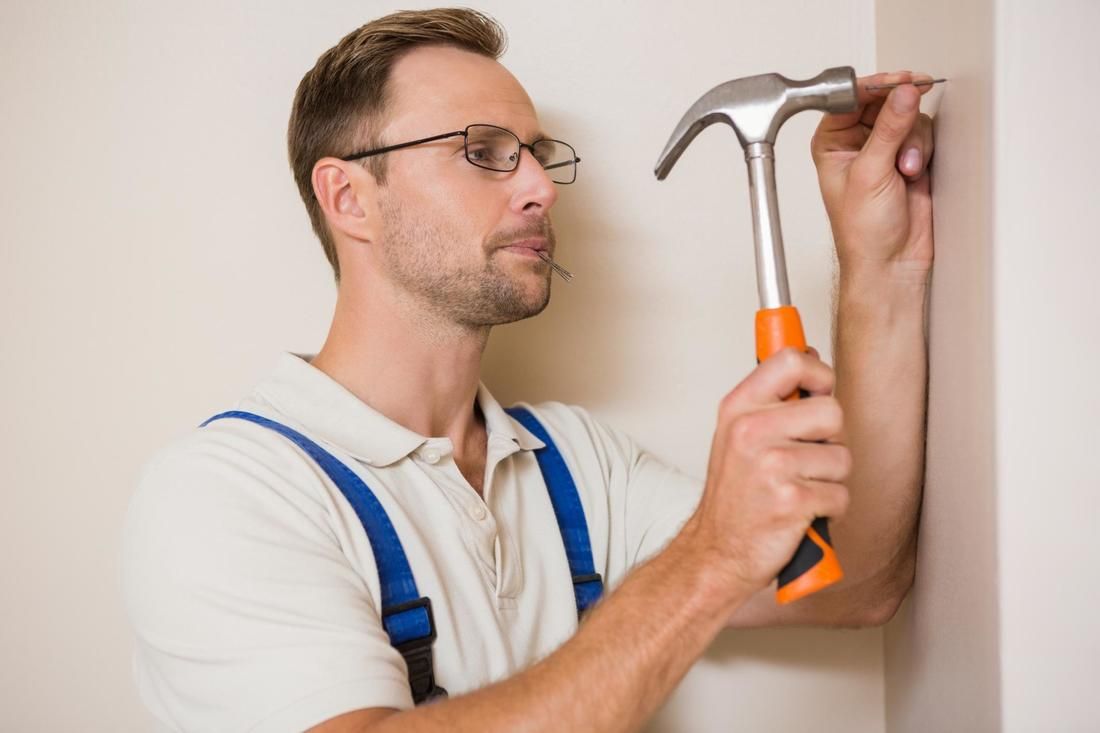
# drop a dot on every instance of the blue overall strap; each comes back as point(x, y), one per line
point(406, 616)
point(587, 583)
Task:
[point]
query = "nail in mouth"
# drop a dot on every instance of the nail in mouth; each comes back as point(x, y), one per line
point(562, 272)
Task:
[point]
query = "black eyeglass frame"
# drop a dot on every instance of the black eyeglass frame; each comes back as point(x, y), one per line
point(465, 133)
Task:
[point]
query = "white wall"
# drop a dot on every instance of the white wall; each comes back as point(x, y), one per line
point(942, 648)
point(155, 257)
point(1045, 268)
point(1001, 631)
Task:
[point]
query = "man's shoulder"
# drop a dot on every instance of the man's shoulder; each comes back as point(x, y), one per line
point(577, 429)
point(227, 463)
point(558, 413)
point(561, 417)
point(227, 443)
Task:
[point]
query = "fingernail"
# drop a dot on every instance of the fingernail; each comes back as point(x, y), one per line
point(903, 100)
point(911, 160)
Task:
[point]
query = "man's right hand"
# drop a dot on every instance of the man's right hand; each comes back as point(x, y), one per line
point(774, 466)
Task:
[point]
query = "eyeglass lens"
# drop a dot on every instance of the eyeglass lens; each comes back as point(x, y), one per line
point(498, 149)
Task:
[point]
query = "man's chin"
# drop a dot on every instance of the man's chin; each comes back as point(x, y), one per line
point(523, 310)
point(521, 306)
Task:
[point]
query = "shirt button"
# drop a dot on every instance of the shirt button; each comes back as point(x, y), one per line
point(477, 511)
point(431, 456)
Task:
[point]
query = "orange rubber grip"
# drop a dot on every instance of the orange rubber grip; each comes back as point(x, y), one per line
point(814, 565)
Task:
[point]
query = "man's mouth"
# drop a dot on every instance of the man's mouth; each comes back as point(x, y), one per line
point(530, 247)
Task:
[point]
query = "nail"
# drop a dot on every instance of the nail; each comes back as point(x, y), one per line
point(562, 272)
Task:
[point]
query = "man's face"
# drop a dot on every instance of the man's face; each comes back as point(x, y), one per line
point(450, 229)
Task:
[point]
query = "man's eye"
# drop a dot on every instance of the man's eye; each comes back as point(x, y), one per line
point(478, 154)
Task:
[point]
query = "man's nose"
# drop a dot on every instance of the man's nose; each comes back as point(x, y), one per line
point(533, 187)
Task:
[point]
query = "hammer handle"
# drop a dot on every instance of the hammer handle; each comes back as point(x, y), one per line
point(815, 564)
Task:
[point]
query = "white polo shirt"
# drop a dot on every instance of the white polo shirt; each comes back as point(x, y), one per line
point(253, 588)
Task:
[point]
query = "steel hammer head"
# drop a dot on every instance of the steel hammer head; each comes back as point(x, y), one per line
point(757, 106)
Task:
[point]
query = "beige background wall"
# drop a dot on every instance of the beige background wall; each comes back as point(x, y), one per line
point(941, 650)
point(154, 259)
point(1045, 271)
point(1001, 631)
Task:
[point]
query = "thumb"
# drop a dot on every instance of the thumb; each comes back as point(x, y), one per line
point(892, 126)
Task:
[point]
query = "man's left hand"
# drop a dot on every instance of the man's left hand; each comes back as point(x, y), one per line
point(872, 165)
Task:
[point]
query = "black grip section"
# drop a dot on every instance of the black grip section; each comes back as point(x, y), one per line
point(805, 557)
point(808, 553)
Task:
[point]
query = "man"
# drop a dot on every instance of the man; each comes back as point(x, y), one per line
point(255, 590)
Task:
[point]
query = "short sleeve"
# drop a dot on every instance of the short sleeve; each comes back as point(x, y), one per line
point(248, 614)
point(635, 501)
point(656, 498)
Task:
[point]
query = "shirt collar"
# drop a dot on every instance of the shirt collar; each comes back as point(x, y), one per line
point(331, 412)
point(500, 424)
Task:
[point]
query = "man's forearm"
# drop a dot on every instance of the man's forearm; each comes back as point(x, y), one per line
point(612, 675)
point(881, 357)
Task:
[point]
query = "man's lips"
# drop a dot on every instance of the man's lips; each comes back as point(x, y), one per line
point(530, 247)
point(537, 243)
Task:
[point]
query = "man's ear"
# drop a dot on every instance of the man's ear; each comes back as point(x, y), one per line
point(347, 193)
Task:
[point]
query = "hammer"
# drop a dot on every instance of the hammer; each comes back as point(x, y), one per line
point(756, 107)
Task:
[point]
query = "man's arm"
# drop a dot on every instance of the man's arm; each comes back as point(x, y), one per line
point(881, 376)
point(641, 639)
point(882, 368)
point(611, 675)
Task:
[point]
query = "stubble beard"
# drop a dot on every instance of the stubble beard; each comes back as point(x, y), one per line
point(422, 258)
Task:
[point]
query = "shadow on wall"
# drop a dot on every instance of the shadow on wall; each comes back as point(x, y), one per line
point(802, 648)
point(785, 663)
point(572, 351)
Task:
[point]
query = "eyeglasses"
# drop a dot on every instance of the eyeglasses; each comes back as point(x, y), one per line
point(496, 149)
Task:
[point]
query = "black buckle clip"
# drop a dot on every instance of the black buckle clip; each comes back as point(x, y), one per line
point(584, 606)
point(418, 654)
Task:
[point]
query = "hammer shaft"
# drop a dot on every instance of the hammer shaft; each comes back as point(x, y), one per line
point(771, 265)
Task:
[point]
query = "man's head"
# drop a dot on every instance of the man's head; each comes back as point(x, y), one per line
point(422, 219)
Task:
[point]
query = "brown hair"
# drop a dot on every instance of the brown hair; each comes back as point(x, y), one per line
point(340, 102)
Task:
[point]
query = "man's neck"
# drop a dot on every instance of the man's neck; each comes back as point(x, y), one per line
point(417, 370)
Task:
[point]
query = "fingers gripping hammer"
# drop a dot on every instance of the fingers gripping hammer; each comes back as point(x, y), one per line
point(756, 107)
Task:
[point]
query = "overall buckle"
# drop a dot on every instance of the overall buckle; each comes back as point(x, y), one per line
point(418, 654)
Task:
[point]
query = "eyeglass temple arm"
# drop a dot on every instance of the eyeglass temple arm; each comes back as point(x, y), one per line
point(559, 165)
point(390, 148)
